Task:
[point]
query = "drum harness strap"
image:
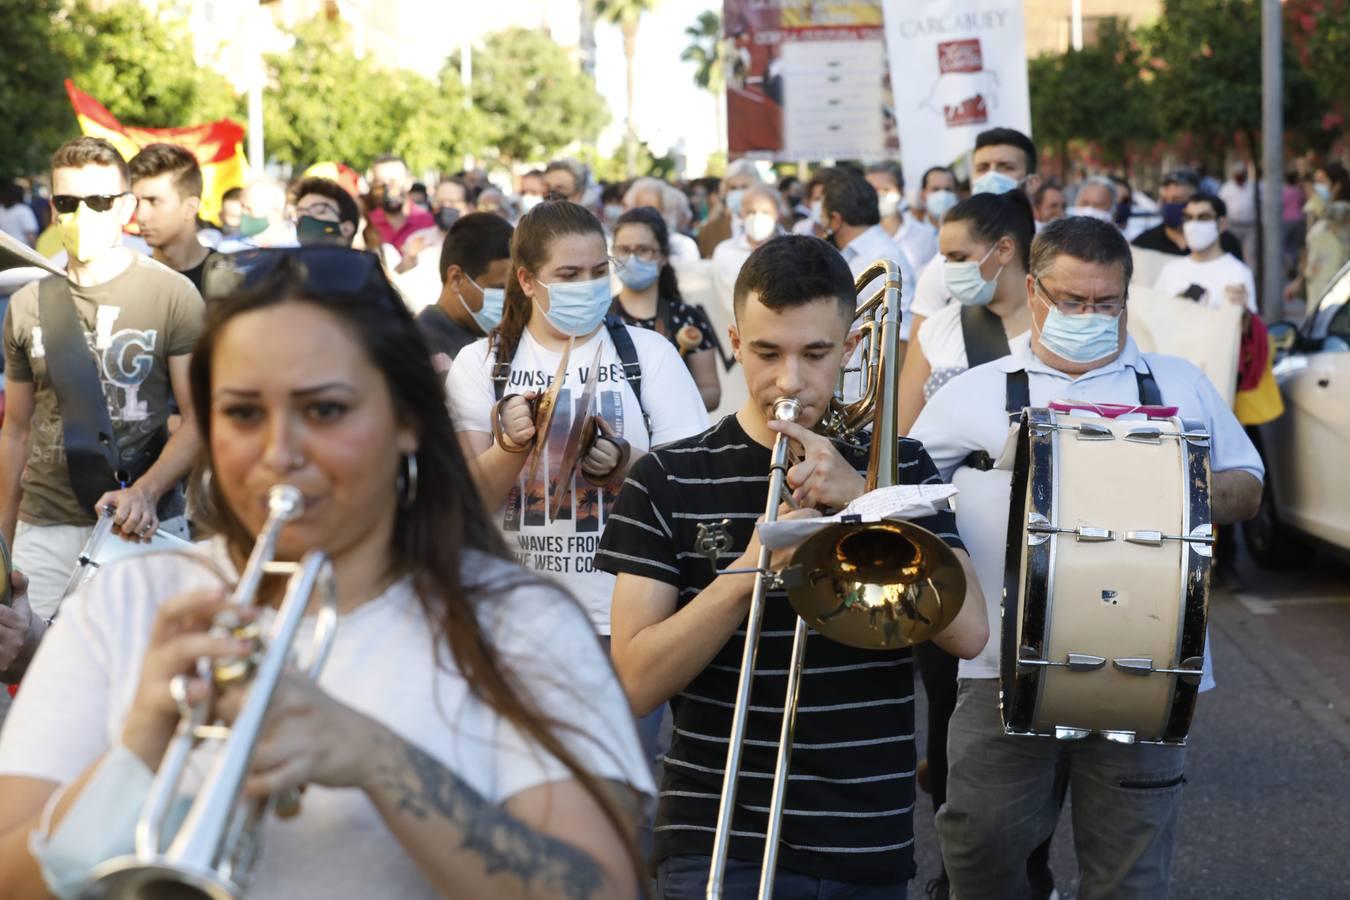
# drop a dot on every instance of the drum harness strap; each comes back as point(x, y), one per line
point(623, 345)
point(1019, 398)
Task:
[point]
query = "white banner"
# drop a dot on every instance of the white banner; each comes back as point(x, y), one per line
point(958, 67)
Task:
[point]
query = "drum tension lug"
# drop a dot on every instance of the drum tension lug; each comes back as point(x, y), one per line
point(1118, 737)
point(1146, 434)
point(1092, 431)
point(1065, 733)
point(1084, 662)
point(1134, 666)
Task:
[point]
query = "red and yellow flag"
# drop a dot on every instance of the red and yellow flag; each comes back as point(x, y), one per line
point(217, 145)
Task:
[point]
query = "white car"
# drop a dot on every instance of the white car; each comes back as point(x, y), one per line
point(1307, 497)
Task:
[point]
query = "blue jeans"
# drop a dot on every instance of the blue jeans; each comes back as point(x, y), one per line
point(1002, 801)
point(686, 878)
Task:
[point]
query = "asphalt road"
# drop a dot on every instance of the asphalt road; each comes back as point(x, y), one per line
point(1266, 811)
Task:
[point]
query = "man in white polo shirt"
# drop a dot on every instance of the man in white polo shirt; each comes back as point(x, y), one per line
point(1209, 275)
point(1002, 796)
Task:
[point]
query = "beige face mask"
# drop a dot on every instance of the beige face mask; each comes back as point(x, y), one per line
point(87, 234)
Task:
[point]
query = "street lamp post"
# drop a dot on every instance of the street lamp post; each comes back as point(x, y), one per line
point(1272, 162)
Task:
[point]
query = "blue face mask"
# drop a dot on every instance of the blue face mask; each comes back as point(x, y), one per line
point(992, 182)
point(638, 274)
point(1083, 338)
point(490, 316)
point(1171, 214)
point(966, 284)
point(576, 308)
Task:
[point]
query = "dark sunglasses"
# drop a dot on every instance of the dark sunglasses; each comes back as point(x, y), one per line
point(68, 203)
point(318, 269)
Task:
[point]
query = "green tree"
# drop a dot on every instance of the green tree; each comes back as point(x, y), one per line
point(533, 97)
point(142, 69)
point(1206, 55)
point(323, 102)
point(1100, 94)
point(705, 51)
point(36, 43)
point(1320, 33)
point(627, 15)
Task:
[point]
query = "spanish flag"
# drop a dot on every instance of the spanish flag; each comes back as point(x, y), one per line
point(218, 145)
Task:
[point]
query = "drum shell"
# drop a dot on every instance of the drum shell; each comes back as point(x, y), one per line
point(1112, 600)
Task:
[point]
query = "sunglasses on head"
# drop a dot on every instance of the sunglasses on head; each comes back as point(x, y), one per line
point(319, 270)
point(68, 203)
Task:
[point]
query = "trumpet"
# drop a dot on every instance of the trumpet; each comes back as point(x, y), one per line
point(872, 586)
point(212, 853)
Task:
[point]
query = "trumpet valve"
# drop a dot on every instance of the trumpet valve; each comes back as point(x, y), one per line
point(235, 669)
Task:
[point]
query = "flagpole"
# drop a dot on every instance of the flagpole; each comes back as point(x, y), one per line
point(257, 160)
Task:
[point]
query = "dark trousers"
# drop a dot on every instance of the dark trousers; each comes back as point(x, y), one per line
point(686, 878)
point(938, 670)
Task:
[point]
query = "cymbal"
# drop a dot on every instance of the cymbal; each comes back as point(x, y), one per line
point(876, 586)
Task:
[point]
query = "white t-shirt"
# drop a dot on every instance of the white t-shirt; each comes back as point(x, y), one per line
point(565, 548)
point(19, 222)
point(929, 297)
point(1204, 282)
point(421, 285)
point(918, 239)
point(382, 664)
point(944, 346)
point(727, 259)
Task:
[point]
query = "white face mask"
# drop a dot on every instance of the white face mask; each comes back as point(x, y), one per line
point(966, 284)
point(939, 202)
point(1091, 212)
point(760, 226)
point(889, 203)
point(1200, 235)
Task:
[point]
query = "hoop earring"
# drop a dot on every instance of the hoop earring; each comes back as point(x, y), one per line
point(407, 481)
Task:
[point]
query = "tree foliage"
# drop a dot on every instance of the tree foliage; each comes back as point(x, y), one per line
point(1095, 94)
point(1320, 33)
point(533, 97)
point(1207, 55)
point(323, 102)
point(705, 51)
point(34, 43)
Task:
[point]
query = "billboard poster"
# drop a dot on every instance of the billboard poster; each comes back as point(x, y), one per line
point(958, 69)
point(807, 80)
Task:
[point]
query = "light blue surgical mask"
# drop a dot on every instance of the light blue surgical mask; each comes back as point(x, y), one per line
point(1323, 191)
point(490, 316)
point(939, 202)
point(993, 182)
point(638, 274)
point(966, 284)
point(576, 308)
point(1084, 338)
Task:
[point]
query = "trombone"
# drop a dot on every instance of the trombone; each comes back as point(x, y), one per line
point(872, 586)
point(213, 851)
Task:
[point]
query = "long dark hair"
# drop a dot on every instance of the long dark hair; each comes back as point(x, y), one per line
point(668, 286)
point(535, 231)
point(993, 216)
point(446, 516)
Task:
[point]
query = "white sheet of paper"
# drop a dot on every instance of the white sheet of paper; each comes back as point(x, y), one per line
point(901, 501)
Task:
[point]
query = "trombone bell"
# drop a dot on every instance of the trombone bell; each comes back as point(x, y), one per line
point(876, 586)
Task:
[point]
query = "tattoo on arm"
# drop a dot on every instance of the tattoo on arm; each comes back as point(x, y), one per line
point(422, 787)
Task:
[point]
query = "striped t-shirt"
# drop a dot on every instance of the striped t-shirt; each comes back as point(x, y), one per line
point(850, 799)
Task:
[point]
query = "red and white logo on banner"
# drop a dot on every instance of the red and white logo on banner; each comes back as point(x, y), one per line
point(957, 59)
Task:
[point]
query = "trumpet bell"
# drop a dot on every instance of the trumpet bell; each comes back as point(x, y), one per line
point(131, 878)
point(876, 586)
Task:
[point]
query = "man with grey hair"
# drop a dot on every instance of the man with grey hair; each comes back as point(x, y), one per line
point(264, 222)
point(673, 206)
point(565, 179)
point(1002, 791)
point(1096, 199)
point(724, 223)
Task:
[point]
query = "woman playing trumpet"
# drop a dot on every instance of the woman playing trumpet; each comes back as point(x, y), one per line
point(434, 766)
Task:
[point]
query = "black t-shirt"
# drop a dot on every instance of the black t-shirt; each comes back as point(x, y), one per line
point(681, 314)
point(443, 333)
point(1156, 239)
point(194, 274)
point(850, 797)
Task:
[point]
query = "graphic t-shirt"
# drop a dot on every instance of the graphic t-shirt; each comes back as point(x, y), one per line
point(1204, 282)
point(564, 547)
point(133, 323)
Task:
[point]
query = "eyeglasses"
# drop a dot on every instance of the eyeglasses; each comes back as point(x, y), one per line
point(1112, 308)
point(318, 269)
point(68, 203)
point(644, 253)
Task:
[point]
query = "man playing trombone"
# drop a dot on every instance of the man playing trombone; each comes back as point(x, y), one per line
point(678, 624)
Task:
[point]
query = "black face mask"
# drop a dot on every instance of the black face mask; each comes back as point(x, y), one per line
point(445, 217)
point(393, 203)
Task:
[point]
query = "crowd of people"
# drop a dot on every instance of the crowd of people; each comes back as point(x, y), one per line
point(495, 402)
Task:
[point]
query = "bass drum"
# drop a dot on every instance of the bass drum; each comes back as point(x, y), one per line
point(1106, 579)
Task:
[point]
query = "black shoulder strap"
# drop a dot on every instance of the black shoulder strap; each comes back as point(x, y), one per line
point(1149, 393)
point(92, 455)
point(985, 339)
point(1017, 397)
point(632, 370)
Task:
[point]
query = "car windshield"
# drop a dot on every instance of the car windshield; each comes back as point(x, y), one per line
point(1332, 317)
